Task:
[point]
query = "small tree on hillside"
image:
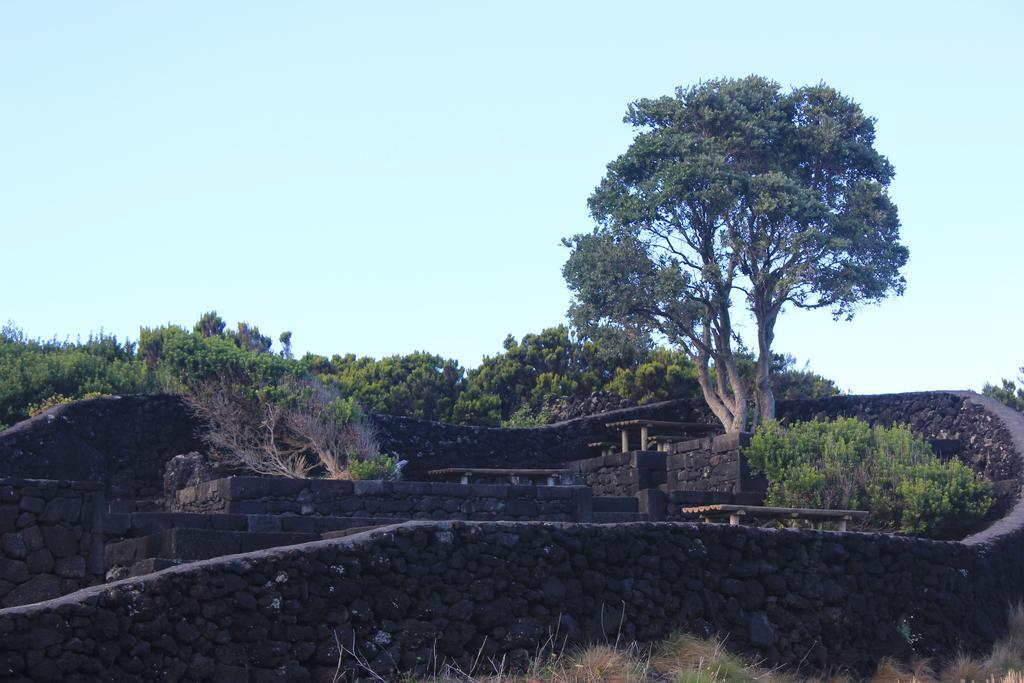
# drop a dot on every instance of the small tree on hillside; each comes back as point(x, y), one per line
point(734, 187)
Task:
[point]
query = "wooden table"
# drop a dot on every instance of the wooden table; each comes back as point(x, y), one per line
point(550, 477)
point(646, 425)
point(736, 513)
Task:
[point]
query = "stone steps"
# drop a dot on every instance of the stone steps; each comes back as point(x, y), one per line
point(620, 517)
point(615, 504)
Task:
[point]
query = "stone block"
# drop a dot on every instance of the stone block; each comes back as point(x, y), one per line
point(244, 488)
point(654, 503)
point(62, 510)
point(32, 504)
point(245, 507)
point(521, 508)
point(554, 492)
point(522, 491)
point(36, 589)
point(583, 508)
point(12, 545)
point(284, 487)
point(452, 490)
point(371, 487)
point(263, 523)
point(649, 459)
point(14, 571)
point(61, 541)
point(411, 488)
point(702, 444)
point(39, 561)
point(499, 491)
point(117, 524)
point(70, 567)
point(8, 518)
point(733, 441)
point(326, 489)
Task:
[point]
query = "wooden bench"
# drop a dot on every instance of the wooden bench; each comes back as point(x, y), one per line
point(646, 425)
point(606, 447)
point(466, 475)
point(661, 442)
point(737, 513)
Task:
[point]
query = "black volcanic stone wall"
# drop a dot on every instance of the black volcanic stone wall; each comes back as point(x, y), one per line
point(399, 499)
point(122, 441)
point(622, 474)
point(434, 445)
point(50, 538)
point(126, 441)
point(468, 591)
point(712, 464)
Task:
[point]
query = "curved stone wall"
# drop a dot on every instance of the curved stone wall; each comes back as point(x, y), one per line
point(466, 590)
point(405, 594)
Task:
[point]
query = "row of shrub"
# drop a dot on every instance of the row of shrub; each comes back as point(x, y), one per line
point(847, 464)
point(515, 387)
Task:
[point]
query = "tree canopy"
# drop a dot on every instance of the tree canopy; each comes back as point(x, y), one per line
point(736, 191)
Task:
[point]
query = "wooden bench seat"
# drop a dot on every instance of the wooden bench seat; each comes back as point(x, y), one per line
point(736, 513)
point(551, 477)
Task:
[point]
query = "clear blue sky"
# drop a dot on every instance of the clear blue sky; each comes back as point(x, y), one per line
point(387, 177)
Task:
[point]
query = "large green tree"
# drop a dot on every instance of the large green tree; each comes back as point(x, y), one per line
point(737, 194)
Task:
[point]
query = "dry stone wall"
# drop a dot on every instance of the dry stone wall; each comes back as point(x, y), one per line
point(122, 441)
point(51, 539)
point(468, 591)
point(622, 474)
point(398, 499)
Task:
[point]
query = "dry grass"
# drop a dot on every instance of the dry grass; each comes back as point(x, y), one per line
point(688, 659)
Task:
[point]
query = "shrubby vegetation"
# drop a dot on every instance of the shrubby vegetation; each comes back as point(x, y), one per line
point(684, 658)
point(847, 464)
point(1008, 392)
point(516, 387)
point(36, 373)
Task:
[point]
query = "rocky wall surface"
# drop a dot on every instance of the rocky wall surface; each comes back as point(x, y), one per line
point(51, 540)
point(400, 499)
point(126, 441)
point(122, 441)
point(434, 445)
point(405, 597)
point(712, 464)
point(621, 474)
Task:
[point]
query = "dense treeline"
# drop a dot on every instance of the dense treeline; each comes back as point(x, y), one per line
point(516, 386)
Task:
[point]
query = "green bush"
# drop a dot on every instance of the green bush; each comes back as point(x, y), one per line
point(379, 466)
point(847, 464)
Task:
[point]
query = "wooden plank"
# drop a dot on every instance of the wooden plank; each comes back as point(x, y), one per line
point(478, 470)
point(758, 510)
point(664, 424)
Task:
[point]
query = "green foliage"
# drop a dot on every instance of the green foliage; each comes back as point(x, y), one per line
point(32, 371)
point(846, 464)
point(524, 417)
point(419, 384)
point(721, 180)
point(1008, 392)
point(377, 467)
point(517, 386)
point(662, 375)
point(541, 368)
point(59, 399)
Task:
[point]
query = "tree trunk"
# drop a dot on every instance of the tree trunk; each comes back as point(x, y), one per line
point(763, 380)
